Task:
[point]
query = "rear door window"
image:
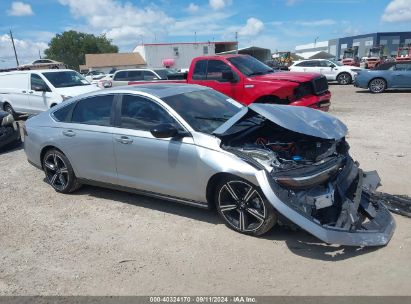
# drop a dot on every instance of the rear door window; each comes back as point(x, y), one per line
point(199, 72)
point(120, 76)
point(134, 75)
point(63, 114)
point(94, 111)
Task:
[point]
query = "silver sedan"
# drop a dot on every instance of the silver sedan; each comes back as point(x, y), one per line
point(257, 165)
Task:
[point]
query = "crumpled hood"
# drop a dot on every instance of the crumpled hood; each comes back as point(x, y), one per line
point(288, 76)
point(297, 119)
point(78, 90)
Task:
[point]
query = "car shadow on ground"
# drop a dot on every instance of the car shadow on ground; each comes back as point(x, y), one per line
point(385, 92)
point(306, 245)
point(299, 242)
point(16, 146)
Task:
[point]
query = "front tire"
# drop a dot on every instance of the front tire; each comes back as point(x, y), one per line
point(377, 85)
point(243, 207)
point(59, 172)
point(344, 78)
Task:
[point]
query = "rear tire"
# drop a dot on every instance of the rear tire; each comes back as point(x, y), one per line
point(344, 78)
point(243, 207)
point(59, 172)
point(377, 85)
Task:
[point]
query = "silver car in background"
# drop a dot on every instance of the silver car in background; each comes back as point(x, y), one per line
point(257, 165)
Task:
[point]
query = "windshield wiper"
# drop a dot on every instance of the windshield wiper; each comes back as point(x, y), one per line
point(211, 118)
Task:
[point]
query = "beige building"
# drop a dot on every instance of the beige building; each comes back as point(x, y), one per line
point(109, 61)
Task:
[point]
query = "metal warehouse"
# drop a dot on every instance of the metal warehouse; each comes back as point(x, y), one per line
point(390, 40)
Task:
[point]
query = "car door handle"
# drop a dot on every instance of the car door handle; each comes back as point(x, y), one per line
point(24, 92)
point(69, 133)
point(31, 92)
point(399, 75)
point(124, 140)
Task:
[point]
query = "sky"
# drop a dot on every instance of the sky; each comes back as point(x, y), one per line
point(275, 24)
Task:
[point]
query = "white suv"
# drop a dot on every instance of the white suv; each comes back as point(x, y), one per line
point(123, 77)
point(332, 70)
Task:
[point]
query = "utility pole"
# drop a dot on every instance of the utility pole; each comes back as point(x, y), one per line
point(14, 47)
point(236, 39)
point(39, 54)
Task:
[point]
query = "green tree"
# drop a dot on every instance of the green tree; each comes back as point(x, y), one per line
point(70, 47)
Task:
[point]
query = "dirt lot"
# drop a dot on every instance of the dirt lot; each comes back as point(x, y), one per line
point(103, 242)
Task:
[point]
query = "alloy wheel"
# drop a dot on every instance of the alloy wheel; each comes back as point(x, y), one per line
point(344, 79)
point(56, 171)
point(242, 206)
point(377, 85)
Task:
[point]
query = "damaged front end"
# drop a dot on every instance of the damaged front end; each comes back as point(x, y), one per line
point(307, 174)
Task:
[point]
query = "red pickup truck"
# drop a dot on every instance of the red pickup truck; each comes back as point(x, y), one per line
point(248, 80)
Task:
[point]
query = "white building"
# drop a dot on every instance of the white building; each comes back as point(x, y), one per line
point(311, 49)
point(179, 55)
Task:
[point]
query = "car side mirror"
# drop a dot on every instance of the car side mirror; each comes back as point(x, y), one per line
point(166, 130)
point(228, 76)
point(39, 88)
point(332, 66)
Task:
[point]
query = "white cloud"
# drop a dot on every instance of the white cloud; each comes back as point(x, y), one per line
point(192, 8)
point(27, 50)
point(20, 9)
point(127, 24)
point(122, 22)
point(219, 4)
point(397, 11)
point(323, 22)
point(253, 27)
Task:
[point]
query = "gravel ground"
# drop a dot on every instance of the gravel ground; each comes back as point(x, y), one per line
point(103, 242)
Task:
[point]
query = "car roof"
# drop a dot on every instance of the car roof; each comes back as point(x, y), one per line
point(36, 71)
point(159, 90)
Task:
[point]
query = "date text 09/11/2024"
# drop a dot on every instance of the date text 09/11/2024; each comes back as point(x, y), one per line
point(203, 299)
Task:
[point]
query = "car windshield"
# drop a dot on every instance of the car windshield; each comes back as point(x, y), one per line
point(250, 66)
point(336, 62)
point(204, 110)
point(66, 79)
point(163, 73)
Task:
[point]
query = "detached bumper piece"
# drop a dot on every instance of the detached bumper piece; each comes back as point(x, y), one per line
point(8, 135)
point(356, 217)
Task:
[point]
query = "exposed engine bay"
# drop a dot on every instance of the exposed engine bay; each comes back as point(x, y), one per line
point(314, 176)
